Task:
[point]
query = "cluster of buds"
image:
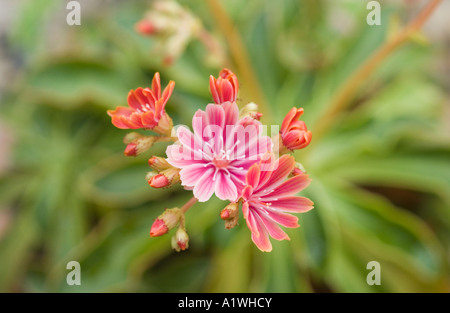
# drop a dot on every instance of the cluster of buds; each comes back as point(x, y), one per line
point(174, 26)
point(215, 159)
point(170, 219)
point(165, 176)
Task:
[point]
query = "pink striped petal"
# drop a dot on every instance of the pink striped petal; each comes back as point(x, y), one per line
point(260, 235)
point(284, 219)
point(179, 157)
point(190, 174)
point(199, 122)
point(247, 192)
point(192, 143)
point(283, 167)
point(288, 188)
point(231, 112)
point(225, 189)
point(215, 115)
point(272, 227)
point(204, 188)
point(292, 204)
point(253, 174)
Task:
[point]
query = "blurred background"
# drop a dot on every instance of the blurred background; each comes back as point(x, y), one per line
point(380, 166)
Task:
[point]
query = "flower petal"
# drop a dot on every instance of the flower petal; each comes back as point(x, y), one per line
point(292, 204)
point(225, 189)
point(179, 157)
point(204, 188)
point(253, 174)
point(283, 167)
point(231, 112)
point(215, 115)
point(190, 174)
point(260, 235)
point(288, 188)
point(272, 227)
point(284, 219)
point(156, 85)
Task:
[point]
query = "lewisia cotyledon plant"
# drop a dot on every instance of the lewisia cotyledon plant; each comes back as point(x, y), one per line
point(225, 155)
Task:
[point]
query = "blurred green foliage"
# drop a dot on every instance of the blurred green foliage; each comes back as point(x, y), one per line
point(381, 178)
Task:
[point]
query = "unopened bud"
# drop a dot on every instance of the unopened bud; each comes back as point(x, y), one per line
point(158, 163)
point(130, 137)
point(165, 178)
point(230, 214)
point(159, 181)
point(145, 27)
point(130, 150)
point(180, 241)
point(165, 222)
point(298, 169)
point(138, 145)
point(250, 110)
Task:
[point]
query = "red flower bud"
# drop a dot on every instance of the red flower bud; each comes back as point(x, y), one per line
point(225, 87)
point(294, 134)
point(165, 222)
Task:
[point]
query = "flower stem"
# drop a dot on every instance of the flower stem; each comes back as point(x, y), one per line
point(347, 91)
point(189, 204)
point(239, 54)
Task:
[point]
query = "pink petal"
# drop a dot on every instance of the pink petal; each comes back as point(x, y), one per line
point(292, 204)
point(179, 157)
point(285, 219)
point(231, 112)
point(225, 188)
point(253, 174)
point(215, 115)
point(288, 188)
point(272, 227)
point(283, 167)
point(190, 174)
point(192, 144)
point(260, 235)
point(204, 188)
point(226, 92)
point(247, 192)
point(199, 122)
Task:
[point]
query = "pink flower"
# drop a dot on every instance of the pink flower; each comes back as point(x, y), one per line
point(225, 87)
point(146, 109)
point(267, 197)
point(216, 157)
point(293, 132)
